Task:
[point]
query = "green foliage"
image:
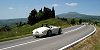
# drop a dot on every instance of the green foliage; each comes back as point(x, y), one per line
point(27, 29)
point(35, 16)
point(98, 24)
point(72, 21)
point(20, 24)
point(32, 17)
point(80, 21)
point(53, 13)
point(64, 19)
point(46, 13)
point(40, 11)
point(39, 16)
point(84, 20)
point(5, 28)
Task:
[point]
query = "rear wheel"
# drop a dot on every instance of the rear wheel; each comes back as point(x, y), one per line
point(60, 30)
point(49, 33)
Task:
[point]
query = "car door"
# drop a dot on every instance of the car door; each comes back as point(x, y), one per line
point(57, 29)
point(53, 30)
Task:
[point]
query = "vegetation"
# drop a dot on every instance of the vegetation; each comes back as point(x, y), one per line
point(26, 30)
point(5, 28)
point(80, 21)
point(12, 22)
point(72, 21)
point(20, 24)
point(35, 16)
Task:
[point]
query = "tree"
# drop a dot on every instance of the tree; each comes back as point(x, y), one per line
point(39, 16)
point(5, 28)
point(80, 21)
point(53, 12)
point(40, 11)
point(47, 13)
point(44, 14)
point(17, 24)
point(32, 17)
point(95, 22)
point(20, 24)
point(73, 21)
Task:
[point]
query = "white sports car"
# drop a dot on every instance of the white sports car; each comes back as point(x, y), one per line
point(47, 30)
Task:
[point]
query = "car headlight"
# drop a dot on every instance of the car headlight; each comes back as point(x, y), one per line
point(36, 32)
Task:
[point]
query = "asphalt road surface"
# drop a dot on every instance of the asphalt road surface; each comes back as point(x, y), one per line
point(68, 36)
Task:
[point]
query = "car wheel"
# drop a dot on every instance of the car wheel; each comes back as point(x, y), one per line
point(60, 30)
point(37, 36)
point(49, 33)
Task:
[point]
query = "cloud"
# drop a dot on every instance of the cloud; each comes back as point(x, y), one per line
point(11, 8)
point(71, 4)
point(55, 5)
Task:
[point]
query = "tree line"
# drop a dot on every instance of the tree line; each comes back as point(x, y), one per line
point(43, 14)
point(5, 28)
point(72, 22)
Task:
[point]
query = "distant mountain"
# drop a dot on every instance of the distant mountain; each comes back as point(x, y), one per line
point(12, 22)
point(78, 16)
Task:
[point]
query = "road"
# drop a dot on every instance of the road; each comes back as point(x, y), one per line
point(68, 36)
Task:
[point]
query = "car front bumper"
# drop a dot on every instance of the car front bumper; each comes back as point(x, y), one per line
point(40, 34)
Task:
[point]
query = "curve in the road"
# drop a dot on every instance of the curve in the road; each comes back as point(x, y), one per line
point(78, 40)
point(52, 42)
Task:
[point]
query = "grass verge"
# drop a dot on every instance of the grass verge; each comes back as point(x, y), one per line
point(16, 37)
point(90, 43)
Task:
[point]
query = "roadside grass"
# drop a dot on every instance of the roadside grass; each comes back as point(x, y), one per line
point(90, 43)
point(16, 37)
point(26, 30)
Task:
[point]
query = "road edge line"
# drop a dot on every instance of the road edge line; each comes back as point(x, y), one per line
point(78, 40)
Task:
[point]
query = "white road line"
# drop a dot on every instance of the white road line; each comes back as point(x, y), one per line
point(75, 29)
point(35, 40)
point(77, 40)
point(22, 44)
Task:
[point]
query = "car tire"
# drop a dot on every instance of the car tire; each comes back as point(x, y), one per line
point(60, 30)
point(49, 33)
point(37, 36)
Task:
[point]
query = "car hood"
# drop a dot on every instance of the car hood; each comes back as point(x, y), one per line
point(41, 29)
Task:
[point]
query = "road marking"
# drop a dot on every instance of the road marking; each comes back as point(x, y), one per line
point(22, 44)
point(77, 40)
point(35, 40)
point(75, 29)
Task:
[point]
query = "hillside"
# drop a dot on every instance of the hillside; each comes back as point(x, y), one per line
point(11, 22)
point(78, 16)
point(26, 30)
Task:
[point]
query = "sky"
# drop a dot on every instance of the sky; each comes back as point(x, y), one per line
point(10, 9)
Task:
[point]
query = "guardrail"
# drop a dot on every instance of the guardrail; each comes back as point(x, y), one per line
point(75, 42)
